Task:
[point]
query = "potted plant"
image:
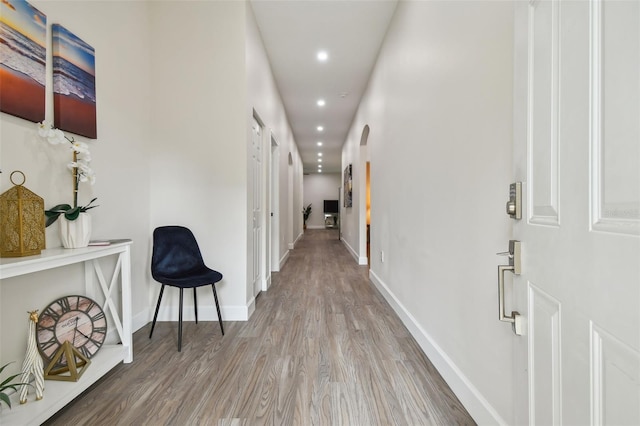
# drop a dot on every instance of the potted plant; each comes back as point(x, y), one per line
point(306, 212)
point(75, 230)
point(6, 385)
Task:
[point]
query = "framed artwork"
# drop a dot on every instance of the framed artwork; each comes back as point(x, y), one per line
point(23, 32)
point(74, 83)
point(347, 186)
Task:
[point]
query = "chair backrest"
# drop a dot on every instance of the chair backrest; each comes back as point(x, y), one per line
point(175, 251)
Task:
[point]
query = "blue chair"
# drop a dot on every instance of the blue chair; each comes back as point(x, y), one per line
point(177, 262)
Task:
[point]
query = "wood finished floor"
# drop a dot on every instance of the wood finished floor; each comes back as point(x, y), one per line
point(322, 348)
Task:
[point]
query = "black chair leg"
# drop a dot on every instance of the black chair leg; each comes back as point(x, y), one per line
point(155, 316)
point(215, 296)
point(195, 303)
point(180, 320)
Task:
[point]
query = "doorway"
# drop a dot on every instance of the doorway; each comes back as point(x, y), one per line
point(274, 209)
point(257, 174)
point(368, 206)
point(364, 186)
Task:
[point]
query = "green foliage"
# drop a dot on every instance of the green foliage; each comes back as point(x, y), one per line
point(306, 212)
point(70, 213)
point(6, 385)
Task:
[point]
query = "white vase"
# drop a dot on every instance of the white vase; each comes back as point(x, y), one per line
point(75, 233)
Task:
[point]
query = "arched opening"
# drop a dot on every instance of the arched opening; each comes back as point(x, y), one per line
point(364, 187)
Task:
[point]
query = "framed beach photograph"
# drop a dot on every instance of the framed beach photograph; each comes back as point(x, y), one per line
point(23, 32)
point(74, 83)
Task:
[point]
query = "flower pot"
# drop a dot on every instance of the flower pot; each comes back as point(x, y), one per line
point(75, 233)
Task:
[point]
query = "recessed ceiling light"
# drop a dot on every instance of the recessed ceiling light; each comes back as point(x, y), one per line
point(321, 102)
point(319, 166)
point(319, 160)
point(319, 171)
point(323, 56)
point(319, 154)
point(320, 128)
point(319, 143)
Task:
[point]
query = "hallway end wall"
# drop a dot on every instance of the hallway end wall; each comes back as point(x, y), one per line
point(439, 107)
point(317, 188)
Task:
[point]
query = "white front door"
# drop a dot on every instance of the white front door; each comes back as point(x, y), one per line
point(577, 152)
point(257, 174)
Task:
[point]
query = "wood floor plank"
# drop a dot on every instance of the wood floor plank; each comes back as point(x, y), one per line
point(322, 348)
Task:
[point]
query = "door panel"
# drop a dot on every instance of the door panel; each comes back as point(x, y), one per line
point(543, 112)
point(544, 344)
point(257, 173)
point(577, 150)
point(615, 110)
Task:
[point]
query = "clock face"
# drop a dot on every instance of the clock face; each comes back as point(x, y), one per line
point(75, 319)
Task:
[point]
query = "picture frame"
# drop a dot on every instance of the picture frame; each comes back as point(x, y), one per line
point(23, 33)
point(74, 83)
point(347, 187)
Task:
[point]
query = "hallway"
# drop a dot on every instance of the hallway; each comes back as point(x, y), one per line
point(322, 348)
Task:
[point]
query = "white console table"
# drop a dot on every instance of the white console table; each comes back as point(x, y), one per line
point(58, 394)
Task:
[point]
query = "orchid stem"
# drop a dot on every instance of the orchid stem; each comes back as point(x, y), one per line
point(75, 180)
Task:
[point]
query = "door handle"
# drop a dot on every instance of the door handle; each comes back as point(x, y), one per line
point(514, 266)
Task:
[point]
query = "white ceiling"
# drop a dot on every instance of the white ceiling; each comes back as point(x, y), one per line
point(293, 31)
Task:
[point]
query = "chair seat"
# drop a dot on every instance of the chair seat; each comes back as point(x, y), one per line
point(193, 278)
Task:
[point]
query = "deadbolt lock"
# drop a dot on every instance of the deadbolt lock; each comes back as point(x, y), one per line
point(514, 205)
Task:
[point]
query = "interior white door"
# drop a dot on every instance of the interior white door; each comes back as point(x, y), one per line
point(257, 175)
point(577, 152)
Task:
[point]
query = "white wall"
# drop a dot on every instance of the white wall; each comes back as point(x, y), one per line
point(198, 165)
point(264, 99)
point(120, 160)
point(173, 111)
point(439, 107)
point(317, 188)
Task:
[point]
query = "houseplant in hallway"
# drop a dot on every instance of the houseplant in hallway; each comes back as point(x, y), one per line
point(306, 212)
point(75, 225)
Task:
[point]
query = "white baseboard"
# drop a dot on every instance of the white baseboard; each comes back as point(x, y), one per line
point(283, 259)
point(141, 319)
point(362, 260)
point(475, 403)
point(251, 308)
point(205, 313)
point(266, 283)
point(292, 246)
point(300, 235)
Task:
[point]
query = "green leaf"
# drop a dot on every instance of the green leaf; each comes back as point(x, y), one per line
point(72, 214)
point(4, 384)
point(5, 398)
point(60, 208)
point(51, 218)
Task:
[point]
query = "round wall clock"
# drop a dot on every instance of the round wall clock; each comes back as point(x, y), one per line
point(75, 319)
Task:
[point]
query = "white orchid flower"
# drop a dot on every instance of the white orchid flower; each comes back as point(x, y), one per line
point(80, 147)
point(56, 137)
point(79, 168)
point(85, 173)
point(44, 129)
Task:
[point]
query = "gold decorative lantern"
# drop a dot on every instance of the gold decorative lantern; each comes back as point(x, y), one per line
point(21, 221)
